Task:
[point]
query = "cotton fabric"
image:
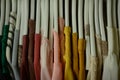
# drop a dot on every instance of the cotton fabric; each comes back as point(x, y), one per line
point(62, 39)
point(37, 65)
point(15, 55)
point(81, 48)
point(24, 70)
point(110, 69)
point(57, 70)
point(68, 74)
point(5, 65)
point(100, 58)
point(45, 62)
point(75, 54)
point(19, 55)
point(31, 49)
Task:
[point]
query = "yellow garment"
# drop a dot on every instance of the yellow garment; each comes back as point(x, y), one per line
point(68, 75)
point(81, 47)
point(75, 54)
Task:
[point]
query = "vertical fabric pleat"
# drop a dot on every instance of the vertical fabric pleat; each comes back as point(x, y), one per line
point(81, 48)
point(68, 75)
point(24, 70)
point(31, 49)
point(57, 70)
point(75, 54)
point(37, 56)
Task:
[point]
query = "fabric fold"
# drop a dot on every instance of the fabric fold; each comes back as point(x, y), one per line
point(15, 55)
point(37, 56)
point(62, 39)
point(68, 74)
point(75, 54)
point(100, 57)
point(57, 70)
point(31, 49)
point(24, 70)
point(45, 62)
point(4, 44)
point(81, 48)
point(110, 69)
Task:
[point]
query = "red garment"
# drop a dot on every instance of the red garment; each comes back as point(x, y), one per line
point(31, 49)
point(24, 70)
point(37, 56)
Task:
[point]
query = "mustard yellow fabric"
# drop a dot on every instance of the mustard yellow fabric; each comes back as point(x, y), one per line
point(68, 74)
point(81, 47)
point(75, 54)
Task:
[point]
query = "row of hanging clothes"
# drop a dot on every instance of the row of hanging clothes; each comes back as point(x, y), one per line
point(59, 39)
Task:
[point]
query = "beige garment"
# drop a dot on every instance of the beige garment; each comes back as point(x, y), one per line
point(100, 58)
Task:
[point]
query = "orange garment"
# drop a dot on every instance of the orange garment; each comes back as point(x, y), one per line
point(81, 47)
point(57, 70)
point(68, 75)
point(75, 54)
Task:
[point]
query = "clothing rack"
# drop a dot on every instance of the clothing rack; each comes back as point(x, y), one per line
point(59, 39)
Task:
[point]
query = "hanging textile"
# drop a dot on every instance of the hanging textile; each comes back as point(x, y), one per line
point(75, 54)
point(68, 75)
point(31, 49)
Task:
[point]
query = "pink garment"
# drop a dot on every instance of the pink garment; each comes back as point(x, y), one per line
point(45, 60)
point(57, 70)
point(37, 56)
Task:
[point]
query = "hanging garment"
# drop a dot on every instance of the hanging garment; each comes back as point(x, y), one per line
point(4, 44)
point(0, 54)
point(110, 69)
point(45, 62)
point(5, 65)
point(87, 50)
point(31, 49)
point(81, 48)
point(75, 54)
point(62, 42)
point(68, 75)
point(14, 55)
point(99, 52)
point(10, 36)
point(24, 70)
point(37, 64)
point(57, 70)
point(62, 39)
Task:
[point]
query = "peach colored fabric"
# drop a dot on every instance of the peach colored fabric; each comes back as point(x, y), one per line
point(68, 75)
point(81, 47)
point(75, 54)
point(45, 60)
point(37, 56)
point(57, 70)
